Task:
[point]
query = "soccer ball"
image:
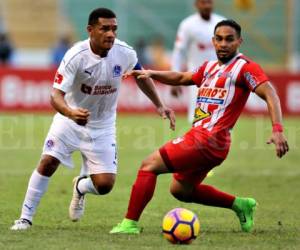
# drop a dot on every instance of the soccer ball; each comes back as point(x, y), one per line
point(180, 226)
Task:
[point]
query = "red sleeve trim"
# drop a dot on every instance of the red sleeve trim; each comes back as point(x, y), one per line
point(198, 76)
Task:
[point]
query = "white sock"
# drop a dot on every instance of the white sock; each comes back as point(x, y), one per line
point(86, 185)
point(37, 186)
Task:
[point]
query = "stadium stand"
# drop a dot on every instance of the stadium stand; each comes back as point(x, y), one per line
point(270, 27)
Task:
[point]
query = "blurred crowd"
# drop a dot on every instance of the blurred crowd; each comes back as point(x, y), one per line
point(6, 49)
point(154, 53)
point(151, 53)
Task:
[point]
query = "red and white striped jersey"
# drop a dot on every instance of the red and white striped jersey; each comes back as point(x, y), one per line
point(224, 90)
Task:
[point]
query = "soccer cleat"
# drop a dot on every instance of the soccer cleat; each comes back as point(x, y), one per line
point(21, 224)
point(244, 209)
point(126, 227)
point(76, 208)
point(210, 173)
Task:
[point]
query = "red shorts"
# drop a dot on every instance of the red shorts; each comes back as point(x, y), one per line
point(192, 156)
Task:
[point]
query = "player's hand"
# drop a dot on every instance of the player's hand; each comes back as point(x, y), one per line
point(167, 113)
point(141, 74)
point(80, 116)
point(280, 142)
point(176, 91)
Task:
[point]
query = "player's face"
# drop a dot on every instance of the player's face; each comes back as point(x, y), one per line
point(226, 42)
point(204, 7)
point(103, 34)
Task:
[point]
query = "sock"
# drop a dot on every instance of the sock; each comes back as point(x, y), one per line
point(85, 185)
point(141, 193)
point(37, 186)
point(210, 196)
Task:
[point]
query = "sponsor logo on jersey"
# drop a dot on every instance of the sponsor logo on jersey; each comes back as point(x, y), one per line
point(58, 78)
point(97, 90)
point(117, 71)
point(251, 79)
point(200, 114)
point(86, 89)
point(212, 95)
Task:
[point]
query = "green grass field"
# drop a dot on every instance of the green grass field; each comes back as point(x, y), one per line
point(252, 169)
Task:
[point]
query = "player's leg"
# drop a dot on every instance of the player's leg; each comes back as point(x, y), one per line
point(192, 159)
point(243, 207)
point(141, 192)
point(37, 186)
point(166, 160)
point(97, 184)
point(100, 164)
point(185, 191)
point(55, 151)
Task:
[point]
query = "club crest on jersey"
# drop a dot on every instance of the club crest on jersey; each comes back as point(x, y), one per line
point(212, 95)
point(117, 71)
point(50, 144)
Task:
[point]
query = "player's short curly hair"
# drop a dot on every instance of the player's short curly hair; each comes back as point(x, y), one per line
point(231, 23)
point(100, 12)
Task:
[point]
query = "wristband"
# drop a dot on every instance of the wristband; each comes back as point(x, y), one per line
point(277, 127)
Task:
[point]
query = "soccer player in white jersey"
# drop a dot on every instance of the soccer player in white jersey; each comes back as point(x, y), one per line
point(193, 46)
point(85, 94)
point(224, 87)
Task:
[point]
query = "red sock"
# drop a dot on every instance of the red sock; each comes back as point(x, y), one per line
point(210, 196)
point(141, 193)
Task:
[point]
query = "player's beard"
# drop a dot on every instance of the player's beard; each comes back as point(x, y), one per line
point(225, 59)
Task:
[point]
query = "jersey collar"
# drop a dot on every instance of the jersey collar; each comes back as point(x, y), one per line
point(93, 55)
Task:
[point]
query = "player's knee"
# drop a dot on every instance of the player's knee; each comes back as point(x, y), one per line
point(103, 183)
point(47, 165)
point(104, 188)
point(154, 164)
point(180, 195)
point(146, 165)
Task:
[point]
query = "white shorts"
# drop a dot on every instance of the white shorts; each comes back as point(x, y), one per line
point(97, 147)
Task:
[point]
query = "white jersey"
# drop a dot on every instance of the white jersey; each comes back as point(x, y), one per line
point(92, 82)
point(193, 45)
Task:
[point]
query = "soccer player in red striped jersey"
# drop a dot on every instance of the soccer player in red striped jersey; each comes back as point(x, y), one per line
point(224, 86)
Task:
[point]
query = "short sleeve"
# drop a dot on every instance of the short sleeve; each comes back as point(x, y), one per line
point(65, 75)
point(199, 74)
point(253, 75)
point(132, 59)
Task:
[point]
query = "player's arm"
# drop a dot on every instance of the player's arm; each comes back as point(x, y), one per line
point(147, 86)
point(63, 82)
point(172, 78)
point(268, 93)
point(79, 115)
